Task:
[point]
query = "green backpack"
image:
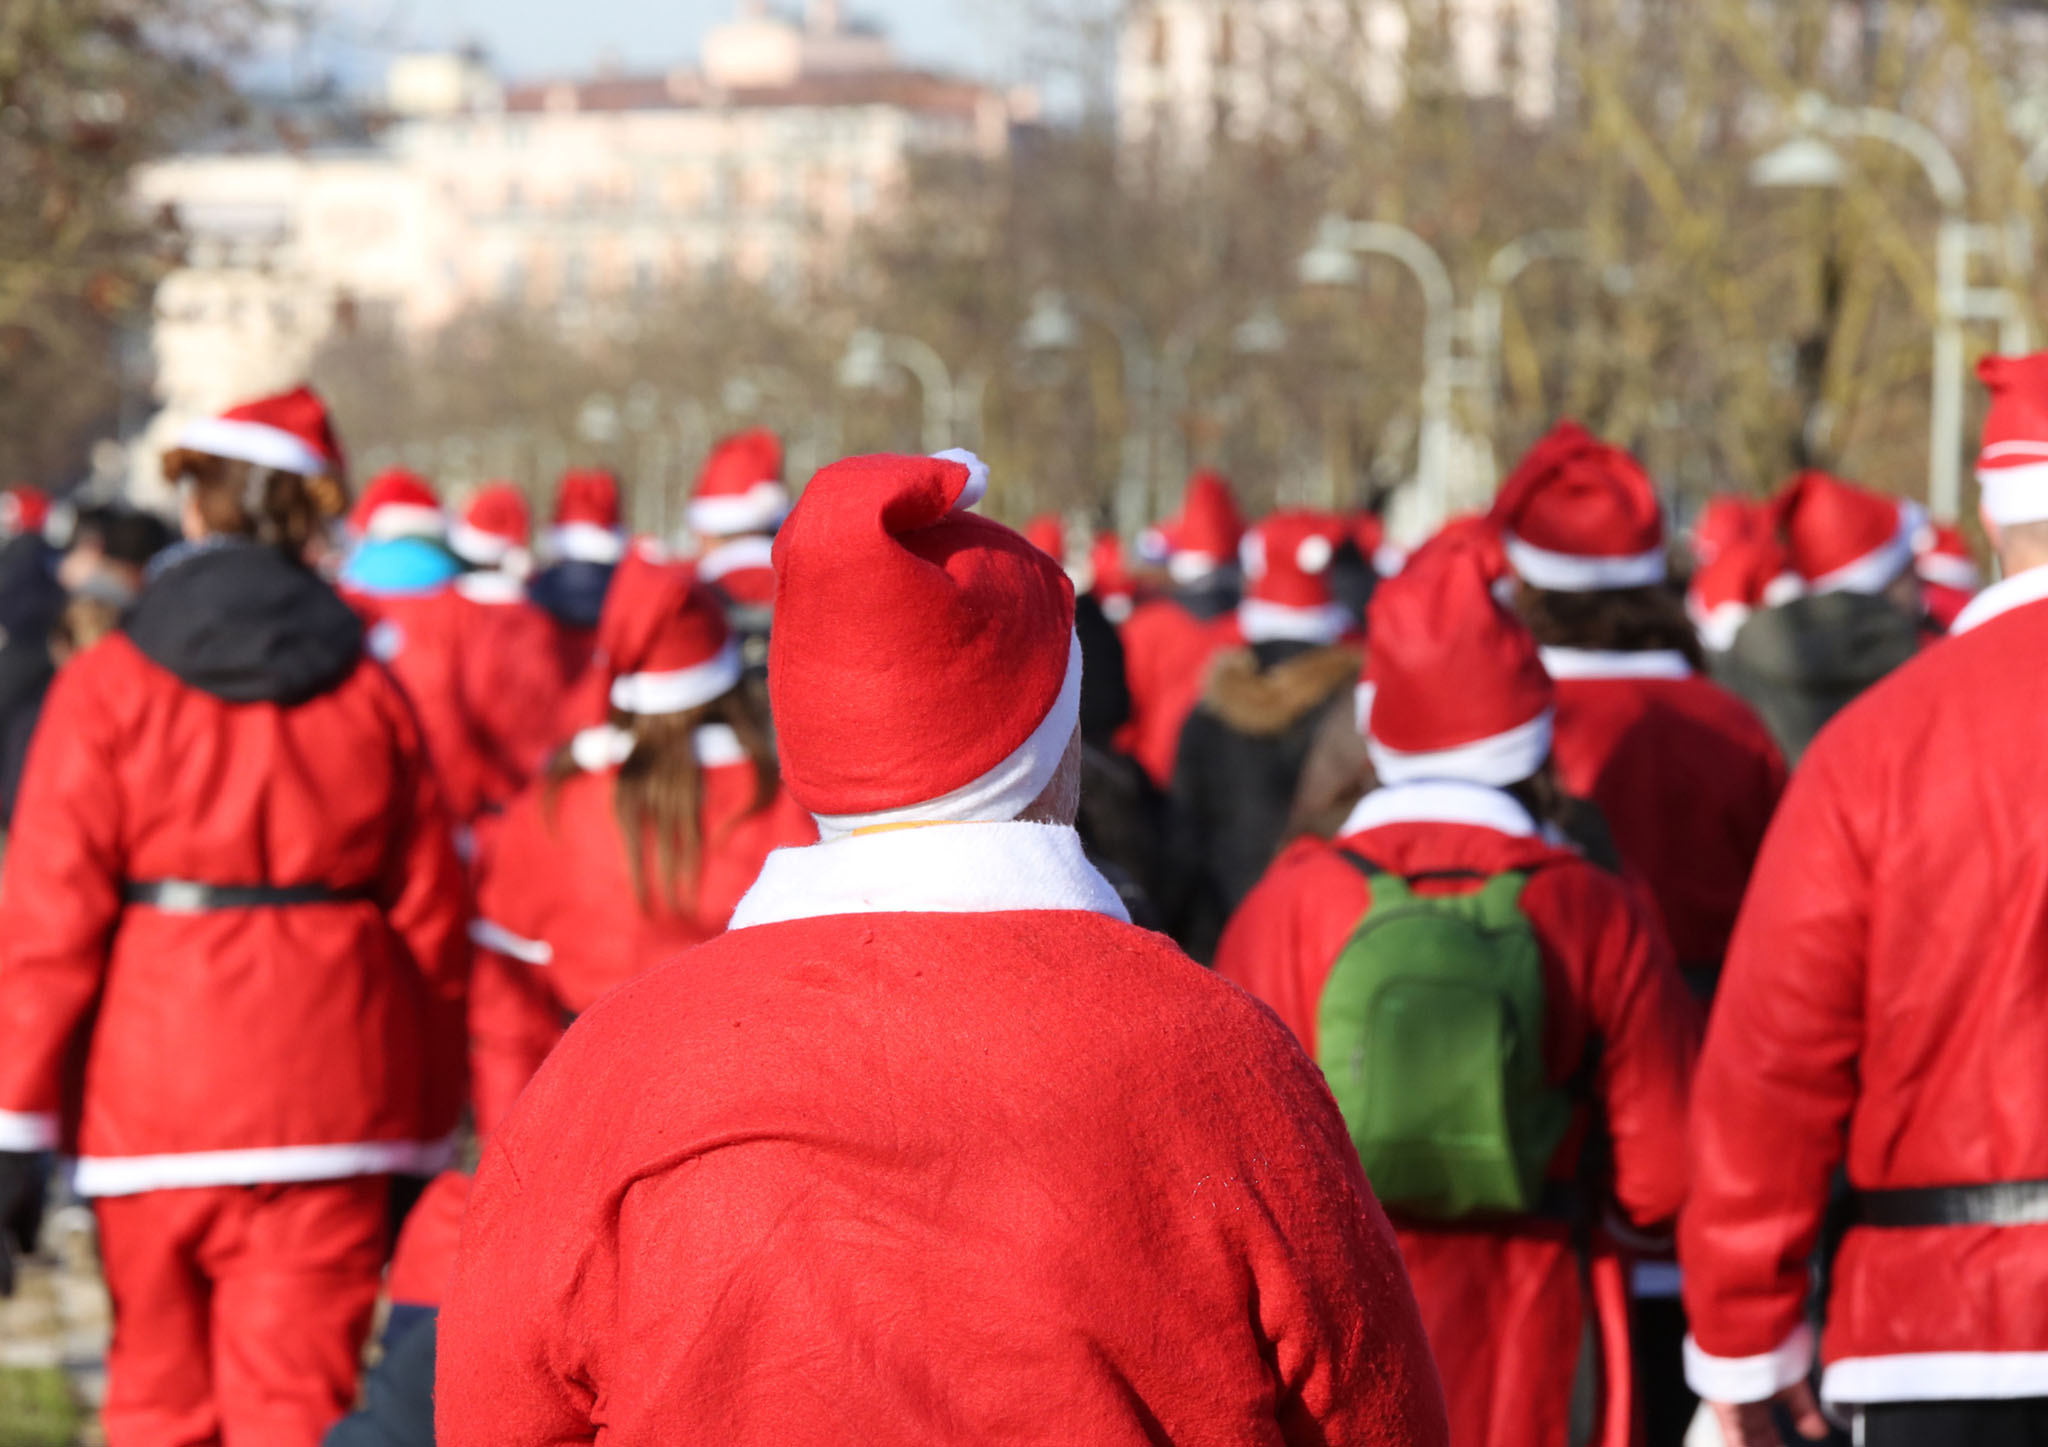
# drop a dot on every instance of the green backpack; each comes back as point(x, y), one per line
point(1430, 1031)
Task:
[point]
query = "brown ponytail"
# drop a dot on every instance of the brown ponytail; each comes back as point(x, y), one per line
point(660, 792)
point(282, 510)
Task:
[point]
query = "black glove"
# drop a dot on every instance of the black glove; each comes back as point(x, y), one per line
point(22, 1182)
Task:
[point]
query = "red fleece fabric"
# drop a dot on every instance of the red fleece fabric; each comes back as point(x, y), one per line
point(1687, 777)
point(1503, 1307)
point(239, 1311)
point(911, 1178)
point(555, 872)
point(1167, 652)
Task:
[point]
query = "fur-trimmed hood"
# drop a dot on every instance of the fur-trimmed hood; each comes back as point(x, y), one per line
point(1262, 702)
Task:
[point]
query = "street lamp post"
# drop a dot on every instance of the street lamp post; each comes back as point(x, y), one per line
point(870, 353)
point(1808, 161)
point(1334, 262)
point(1054, 326)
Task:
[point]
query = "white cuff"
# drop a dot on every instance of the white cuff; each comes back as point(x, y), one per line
point(1737, 1380)
point(27, 1130)
point(497, 938)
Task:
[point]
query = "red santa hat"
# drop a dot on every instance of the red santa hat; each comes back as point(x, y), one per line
point(495, 530)
point(1110, 580)
point(1048, 534)
point(664, 637)
point(923, 665)
point(1948, 572)
point(398, 504)
point(1286, 561)
point(740, 489)
point(1478, 536)
point(23, 509)
point(1457, 687)
point(1722, 523)
point(1203, 537)
point(290, 432)
point(2012, 468)
point(586, 525)
point(1842, 538)
point(1579, 516)
point(1746, 574)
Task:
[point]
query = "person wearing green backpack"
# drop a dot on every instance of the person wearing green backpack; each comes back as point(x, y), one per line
point(1500, 1021)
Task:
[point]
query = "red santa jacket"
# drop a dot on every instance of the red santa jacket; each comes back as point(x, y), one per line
point(303, 1042)
point(423, 638)
point(1504, 1307)
point(555, 902)
point(1883, 1009)
point(1686, 775)
point(932, 1146)
point(512, 683)
point(1167, 651)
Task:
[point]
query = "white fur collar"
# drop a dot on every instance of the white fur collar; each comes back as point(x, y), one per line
point(1441, 802)
point(491, 588)
point(2002, 597)
point(941, 869)
point(1564, 663)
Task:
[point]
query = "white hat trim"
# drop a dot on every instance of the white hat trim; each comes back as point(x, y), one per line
point(682, 690)
point(587, 543)
point(492, 589)
point(484, 549)
point(1501, 759)
point(1186, 568)
point(1264, 622)
point(734, 556)
point(1443, 801)
point(1945, 570)
point(2015, 495)
point(255, 442)
point(405, 520)
point(759, 508)
point(1003, 792)
point(1592, 663)
point(1576, 573)
point(1876, 570)
point(1718, 626)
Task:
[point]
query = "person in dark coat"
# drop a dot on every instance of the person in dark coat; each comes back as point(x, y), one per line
point(1242, 750)
point(585, 545)
point(1858, 616)
point(31, 598)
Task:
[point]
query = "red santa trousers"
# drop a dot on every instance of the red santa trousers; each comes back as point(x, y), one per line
point(239, 1311)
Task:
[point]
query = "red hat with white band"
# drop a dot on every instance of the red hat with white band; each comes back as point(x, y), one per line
point(1287, 598)
point(1203, 537)
point(1457, 687)
point(1580, 516)
point(740, 489)
point(290, 432)
point(495, 530)
point(23, 509)
point(923, 665)
point(586, 526)
point(1746, 574)
point(663, 637)
point(2012, 468)
point(1842, 538)
point(398, 504)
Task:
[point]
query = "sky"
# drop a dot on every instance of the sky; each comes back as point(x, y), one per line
point(556, 37)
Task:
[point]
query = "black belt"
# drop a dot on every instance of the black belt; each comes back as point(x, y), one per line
point(2009, 1203)
point(185, 896)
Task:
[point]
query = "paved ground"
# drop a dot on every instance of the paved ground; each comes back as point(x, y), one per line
point(53, 1341)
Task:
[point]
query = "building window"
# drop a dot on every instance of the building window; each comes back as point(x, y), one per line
point(1162, 41)
point(643, 276)
point(575, 273)
point(1226, 40)
point(515, 196)
point(511, 280)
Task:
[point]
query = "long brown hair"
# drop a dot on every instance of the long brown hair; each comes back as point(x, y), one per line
point(660, 791)
point(1612, 620)
point(282, 510)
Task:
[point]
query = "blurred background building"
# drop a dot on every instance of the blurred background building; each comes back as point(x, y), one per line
point(453, 190)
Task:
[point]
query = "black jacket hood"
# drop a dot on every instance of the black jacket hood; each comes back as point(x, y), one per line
point(244, 623)
point(573, 591)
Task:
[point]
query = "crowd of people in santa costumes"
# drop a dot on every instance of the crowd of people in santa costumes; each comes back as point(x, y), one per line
point(806, 921)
